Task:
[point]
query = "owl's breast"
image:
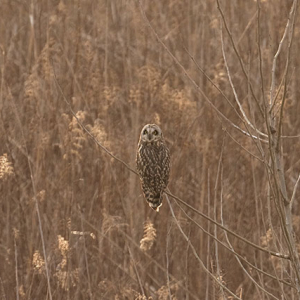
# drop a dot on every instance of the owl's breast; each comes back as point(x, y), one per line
point(152, 160)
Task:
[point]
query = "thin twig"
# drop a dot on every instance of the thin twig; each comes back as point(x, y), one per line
point(16, 268)
point(233, 251)
point(247, 27)
point(238, 56)
point(35, 200)
point(208, 259)
point(85, 259)
point(149, 257)
point(247, 273)
point(281, 198)
point(83, 127)
point(294, 191)
point(213, 84)
point(240, 145)
point(190, 78)
point(3, 296)
point(167, 258)
point(260, 55)
point(231, 247)
point(136, 271)
point(245, 118)
point(215, 214)
point(290, 41)
point(168, 193)
point(228, 230)
point(197, 256)
point(274, 65)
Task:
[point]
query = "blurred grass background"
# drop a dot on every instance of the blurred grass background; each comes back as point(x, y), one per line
point(118, 78)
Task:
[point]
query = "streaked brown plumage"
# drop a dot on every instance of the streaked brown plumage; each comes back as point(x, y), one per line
point(153, 164)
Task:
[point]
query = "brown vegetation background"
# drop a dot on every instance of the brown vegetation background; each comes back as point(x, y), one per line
point(73, 221)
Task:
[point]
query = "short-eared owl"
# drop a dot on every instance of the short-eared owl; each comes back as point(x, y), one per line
point(153, 164)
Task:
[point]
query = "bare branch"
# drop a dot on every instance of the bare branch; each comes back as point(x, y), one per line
point(245, 118)
point(16, 267)
point(190, 78)
point(149, 257)
point(136, 271)
point(233, 251)
point(167, 258)
point(32, 178)
point(294, 191)
point(290, 40)
point(197, 256)
point(168, 193)
point(240, 145)
point(83, 127)
point(236, 256)
point(228, 230)
point(274, 65)
point(260, 55)
point(238, 56)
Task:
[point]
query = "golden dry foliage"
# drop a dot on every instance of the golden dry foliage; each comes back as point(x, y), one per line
point(38, 262)
point(101, 240)
point(148, 239)
point(64, 276)
point(6, 168)
point(164, 292)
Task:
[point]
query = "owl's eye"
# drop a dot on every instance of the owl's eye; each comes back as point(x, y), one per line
point(155, 132)
point(145, 132)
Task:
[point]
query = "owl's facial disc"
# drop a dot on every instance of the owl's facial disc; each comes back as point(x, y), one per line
point(151, 133)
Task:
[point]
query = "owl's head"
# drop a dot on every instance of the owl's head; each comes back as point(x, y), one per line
point(151, 133)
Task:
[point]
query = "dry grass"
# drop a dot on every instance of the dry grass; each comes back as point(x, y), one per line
point(102, 241)
point(148, 239)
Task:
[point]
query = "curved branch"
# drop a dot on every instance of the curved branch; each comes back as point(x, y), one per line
point(197, 256)
point(239, 57)
point(233, 251)
point(274, 65)
point(192, 80)
point(245, 118)
point(167, 192)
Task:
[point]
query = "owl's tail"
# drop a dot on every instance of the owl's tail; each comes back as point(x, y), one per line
point(155, 202)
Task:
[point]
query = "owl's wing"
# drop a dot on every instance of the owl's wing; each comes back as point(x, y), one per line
point(139, 164)
point(165, 165)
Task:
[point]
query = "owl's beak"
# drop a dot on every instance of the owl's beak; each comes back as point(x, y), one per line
point(149, 136)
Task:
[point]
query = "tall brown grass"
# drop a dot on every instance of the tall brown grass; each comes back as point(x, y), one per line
point(100, 239)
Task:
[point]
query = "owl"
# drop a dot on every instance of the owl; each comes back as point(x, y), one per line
point(153, 164)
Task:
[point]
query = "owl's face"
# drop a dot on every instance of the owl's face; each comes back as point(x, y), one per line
point(151, 133)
